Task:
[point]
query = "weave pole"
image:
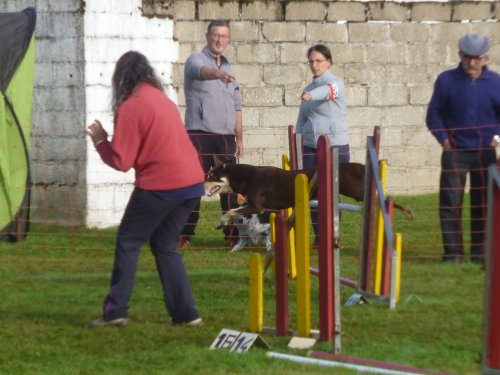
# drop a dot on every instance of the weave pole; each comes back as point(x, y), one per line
point(292, 146)
point(491, 332)
point(269, 259)
point(366, 252)
point(325, 240)
point(281, 278)
point(379, 256)
point(256, 294)
point(398, 244)
point(292, 264)
point(385, 265)
point(335, 207)
point(302, 223)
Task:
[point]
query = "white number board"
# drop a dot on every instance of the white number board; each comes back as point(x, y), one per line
point(235, 341)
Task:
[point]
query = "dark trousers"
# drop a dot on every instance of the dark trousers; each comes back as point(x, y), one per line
point(310, 159)
point(208, 145)
point(148, 218)
point(455, 165)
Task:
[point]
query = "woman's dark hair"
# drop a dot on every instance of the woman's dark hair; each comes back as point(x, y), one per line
point(131, 68)
point(321, 48)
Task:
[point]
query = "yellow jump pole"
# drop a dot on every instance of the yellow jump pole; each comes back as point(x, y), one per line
point(379, 235)
point(272, 229)
point(292, 263)
point(302, 215)
point(270, 254)
point(398, 246)
point(256, 294)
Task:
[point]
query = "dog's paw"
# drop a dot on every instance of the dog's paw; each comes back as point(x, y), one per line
point(239, 245)
point(223, 220)
point(269, 246)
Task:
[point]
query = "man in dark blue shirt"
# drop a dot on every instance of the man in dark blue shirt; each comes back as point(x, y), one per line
point(464, 117)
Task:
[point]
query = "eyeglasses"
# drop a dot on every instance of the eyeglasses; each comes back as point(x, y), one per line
point(311, 62)
point(219, 36)
point(468, 57)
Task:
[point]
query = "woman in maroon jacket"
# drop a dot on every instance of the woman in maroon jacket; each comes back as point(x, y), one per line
point(150, 137)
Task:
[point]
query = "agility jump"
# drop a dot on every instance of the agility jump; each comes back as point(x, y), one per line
point(380, 251)
point(329, 279)
point(301, 217)
point(380, 255)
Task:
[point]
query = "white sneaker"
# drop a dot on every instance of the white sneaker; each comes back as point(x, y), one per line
point(120, 322)
point(198, 322)
point(195, 323)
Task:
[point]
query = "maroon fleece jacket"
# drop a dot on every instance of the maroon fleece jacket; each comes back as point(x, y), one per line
point(150, 137)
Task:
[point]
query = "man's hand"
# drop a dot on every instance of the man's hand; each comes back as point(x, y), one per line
point(239, 149)
point(495, 141)
point(446, 144)
point(226, 77)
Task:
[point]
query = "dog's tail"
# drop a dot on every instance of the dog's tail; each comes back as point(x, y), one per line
point(408, 213)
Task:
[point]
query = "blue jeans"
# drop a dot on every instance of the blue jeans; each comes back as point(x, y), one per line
point(455, 164)
point(148, 218)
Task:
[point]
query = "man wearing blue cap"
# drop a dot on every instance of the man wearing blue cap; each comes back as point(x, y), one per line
point(464, 116)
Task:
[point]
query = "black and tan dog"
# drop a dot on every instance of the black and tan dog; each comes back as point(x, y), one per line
point(271, 188)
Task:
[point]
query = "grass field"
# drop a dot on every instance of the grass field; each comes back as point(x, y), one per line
point(53, 283)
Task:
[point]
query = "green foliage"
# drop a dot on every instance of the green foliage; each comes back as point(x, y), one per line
point(53, 284)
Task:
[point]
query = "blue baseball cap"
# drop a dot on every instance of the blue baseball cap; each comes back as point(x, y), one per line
point(474, 45)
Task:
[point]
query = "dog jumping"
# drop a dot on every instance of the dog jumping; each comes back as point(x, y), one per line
point(271, 188)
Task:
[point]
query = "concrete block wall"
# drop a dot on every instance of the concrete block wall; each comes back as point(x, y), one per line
point(58, 168)
point(112, 28)
point(387, 52)
point(77, 45)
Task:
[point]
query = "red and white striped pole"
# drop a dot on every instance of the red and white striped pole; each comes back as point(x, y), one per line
point(491, 336)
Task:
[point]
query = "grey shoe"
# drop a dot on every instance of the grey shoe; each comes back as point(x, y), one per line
point(120, 322)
